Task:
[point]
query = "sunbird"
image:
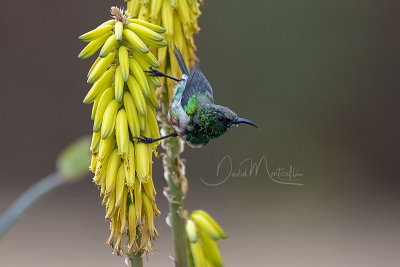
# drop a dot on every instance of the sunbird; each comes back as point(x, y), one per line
point(193, 114)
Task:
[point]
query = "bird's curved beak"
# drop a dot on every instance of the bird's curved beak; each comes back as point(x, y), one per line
point(242, 120)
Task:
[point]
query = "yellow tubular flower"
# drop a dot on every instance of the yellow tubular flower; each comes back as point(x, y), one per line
point(198, 255)
point(142, 162)
point(112, 171)
point(138, 199)
point(123, 212)
point(191, 231)
point(214, 224)
point(132, 227)
point(122, 133)
point(211, 250)
point(137, 95)
point(142, 122)
point(110, 206)
point(148, 211)
point(93, 162)
point(124, 102)
point(120, 186)
point(129, 164)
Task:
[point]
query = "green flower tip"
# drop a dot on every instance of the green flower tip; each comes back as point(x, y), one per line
point(73, 162)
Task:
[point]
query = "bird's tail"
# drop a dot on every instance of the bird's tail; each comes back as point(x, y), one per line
point(181, 61)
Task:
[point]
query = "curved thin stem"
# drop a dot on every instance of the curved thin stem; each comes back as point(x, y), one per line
point(27, 198)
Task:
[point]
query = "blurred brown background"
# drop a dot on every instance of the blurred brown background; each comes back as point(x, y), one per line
point(320, 78)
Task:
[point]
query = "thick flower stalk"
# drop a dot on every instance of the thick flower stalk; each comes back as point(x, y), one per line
point(124, 104)
point(203, 232)
point(179, 18)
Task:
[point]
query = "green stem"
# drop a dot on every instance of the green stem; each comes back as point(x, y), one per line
point(136, 261)
point(172, 168)
point(176, 205)
point(27, 198)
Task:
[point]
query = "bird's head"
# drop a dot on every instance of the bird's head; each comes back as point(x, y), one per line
point(219, 119)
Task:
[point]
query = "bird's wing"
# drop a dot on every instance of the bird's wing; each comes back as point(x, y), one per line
point(197, 90)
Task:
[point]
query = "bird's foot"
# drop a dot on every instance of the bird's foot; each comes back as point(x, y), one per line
point(145, 140)
point(156, 73)
point(153, 72)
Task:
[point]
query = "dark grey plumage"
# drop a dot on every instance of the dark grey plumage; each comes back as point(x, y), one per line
point(196, 83)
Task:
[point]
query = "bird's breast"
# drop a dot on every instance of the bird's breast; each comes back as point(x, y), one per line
point(173, 118)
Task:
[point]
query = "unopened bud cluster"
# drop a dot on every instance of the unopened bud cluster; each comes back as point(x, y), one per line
point(203, 233)
point(124, 103)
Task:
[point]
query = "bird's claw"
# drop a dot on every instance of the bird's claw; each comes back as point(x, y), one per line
point(156, 73)
point(153, 72)
point(145, 140)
